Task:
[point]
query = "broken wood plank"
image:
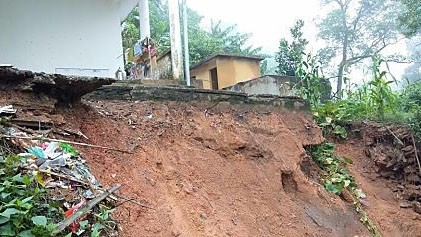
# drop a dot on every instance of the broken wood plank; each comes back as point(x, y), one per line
point(399, 140)
point(416, 153)
point(37, 125)
point(84, 209)
point(64, 141)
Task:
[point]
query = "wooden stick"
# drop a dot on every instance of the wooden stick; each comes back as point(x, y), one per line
point(400, 141)
point(65, 177)
point(69, 142)
point(84, 209)
point(132, 200)
point(416, 153)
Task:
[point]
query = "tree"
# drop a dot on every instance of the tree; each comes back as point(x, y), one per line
point(160, 26)
point(232, 40)
point(130, 35)
point(290, 54)
point(202, 43)
point(410, 19)
point(355, 30)
point(413, 71)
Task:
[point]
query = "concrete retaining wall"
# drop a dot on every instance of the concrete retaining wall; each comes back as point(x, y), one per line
point(120, 91)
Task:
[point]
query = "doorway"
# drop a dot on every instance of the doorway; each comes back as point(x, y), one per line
point(214, 78)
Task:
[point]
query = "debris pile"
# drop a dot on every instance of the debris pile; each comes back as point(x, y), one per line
point(394, 151)
point(60, 170)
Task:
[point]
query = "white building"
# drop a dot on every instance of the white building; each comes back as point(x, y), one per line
point(73, 37)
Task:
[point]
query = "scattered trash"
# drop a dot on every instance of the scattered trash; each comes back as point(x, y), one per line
point(62, 172)
point(59, 168)
point(75, 225)
point(77, 214)
point(7, 110)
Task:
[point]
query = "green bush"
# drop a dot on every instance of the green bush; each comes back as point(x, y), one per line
point(410, 103)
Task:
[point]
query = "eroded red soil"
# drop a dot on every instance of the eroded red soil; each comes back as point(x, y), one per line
point(220, 170)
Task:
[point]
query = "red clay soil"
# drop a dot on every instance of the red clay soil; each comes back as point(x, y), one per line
point(381, 204)
point(220, 171)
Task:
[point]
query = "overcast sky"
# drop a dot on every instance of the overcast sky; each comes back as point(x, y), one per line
point(270, 20)
point(267, 20)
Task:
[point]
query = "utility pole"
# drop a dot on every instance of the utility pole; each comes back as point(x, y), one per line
point(186, 45)
point(175, 35)
point(144, 22)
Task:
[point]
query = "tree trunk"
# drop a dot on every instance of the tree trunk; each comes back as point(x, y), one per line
point(344, 55)
point(340, 79)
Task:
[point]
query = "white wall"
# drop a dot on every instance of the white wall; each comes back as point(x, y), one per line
point(76, 35)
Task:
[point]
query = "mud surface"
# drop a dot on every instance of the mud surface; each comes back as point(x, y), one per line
point(383, 203)
point(217, 169)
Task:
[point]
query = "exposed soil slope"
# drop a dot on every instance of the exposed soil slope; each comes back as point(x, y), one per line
point(218, 170)
point(383, 198)
point(221, 171)
point(208, 169)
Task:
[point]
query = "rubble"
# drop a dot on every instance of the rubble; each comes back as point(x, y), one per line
point(394, 152)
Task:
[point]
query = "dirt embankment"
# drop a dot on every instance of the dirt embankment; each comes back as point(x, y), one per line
point(205, 169)
point(221, 171)
point(213, 168)
point(385, 167)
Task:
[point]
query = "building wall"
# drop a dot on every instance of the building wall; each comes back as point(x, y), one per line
point(245, 70)
point(230, 71)
point(226, 72)
point(164, 68)
point(202, 73)
point(69, 37)
point(267, 85)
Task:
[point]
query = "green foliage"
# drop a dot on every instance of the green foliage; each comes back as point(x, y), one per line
point(202, 43)
point(410, 19)
point(101, 222)
point(313, 86)
point(23, 208)
point(372, 100)
point(232, 40)
point(290, 54)
point(380, 93)
point(410, 103)
point(130, 35)
point(336, 177)
point(356, 30)
point(331, 117)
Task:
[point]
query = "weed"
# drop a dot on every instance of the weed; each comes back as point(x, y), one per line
point(23, 207)
point(337, 178)
point(312, 86)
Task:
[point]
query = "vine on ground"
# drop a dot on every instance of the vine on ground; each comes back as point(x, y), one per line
point(337, 178)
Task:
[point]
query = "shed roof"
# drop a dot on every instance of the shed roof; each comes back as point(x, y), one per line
point(227, 55)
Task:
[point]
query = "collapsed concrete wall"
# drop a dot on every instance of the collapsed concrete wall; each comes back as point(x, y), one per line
point(66, 89)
